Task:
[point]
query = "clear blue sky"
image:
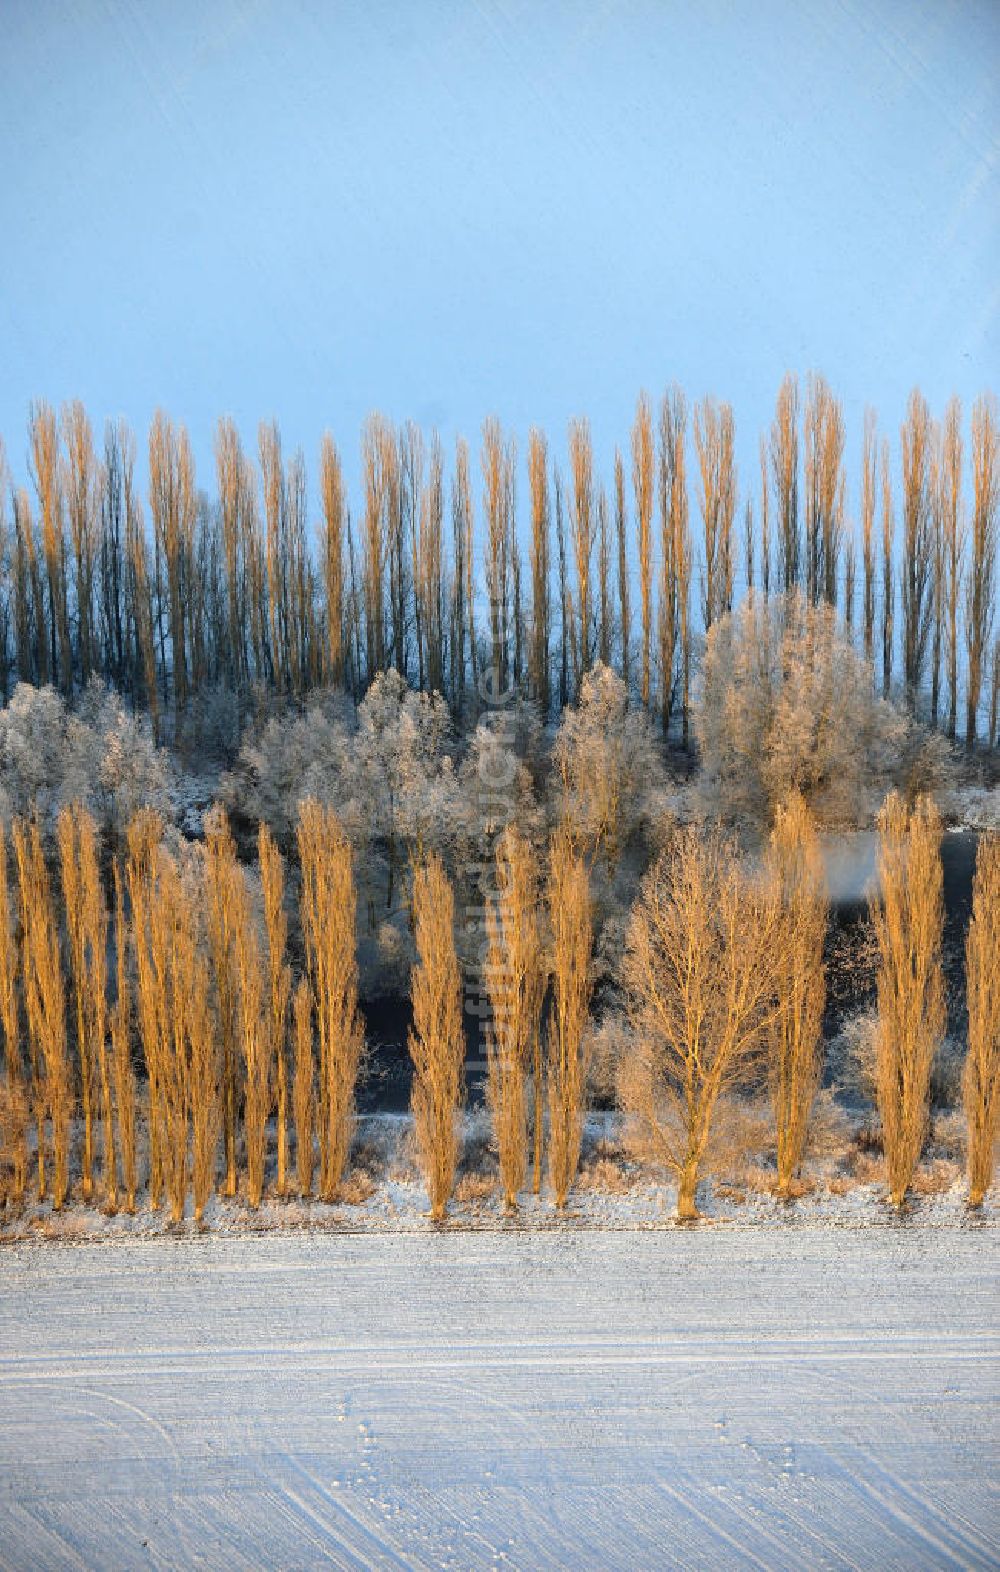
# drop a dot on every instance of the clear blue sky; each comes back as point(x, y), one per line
point(443, 210)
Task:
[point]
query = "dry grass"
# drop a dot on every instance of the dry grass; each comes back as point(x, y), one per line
point(473, 1187)
point(936, 1177)
point(908, 914)
point(604, 1176)
point(436, 1040)
point(356, 1188)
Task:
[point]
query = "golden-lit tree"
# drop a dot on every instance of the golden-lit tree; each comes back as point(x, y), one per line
point(869, 481)
point(303, 1089)
point(498, 508)
point(981, 1080)
point(515, 983)
point(581, 461)
point(980, 584)
point(14, 1079)
point(571, 924)
point(87, 930)
point(784, 449)
point(334, 500)
point(796, 866)
point(45, 1008)
point(888, 527)
point(121, 1047)
point(328, 913)
point(144, 835)
point(624, 597)
point(823, 440)
point(700, 960)
point(642, 483)
point(225, 912)
point(538, 656)
point(917, 568)
point(173, 503)
point(279, 985)
point(81, 485)
point(953, 531)
point(714, 432)
point(436, 1041)
point(908, 915)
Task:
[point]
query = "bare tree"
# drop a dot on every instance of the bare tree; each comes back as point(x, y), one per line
point(887, 578)
point(272, 875)
point(953, 529)
point(785, 470)
point(868, 494)
point(642, 483)
point(796, 865)
point(82, 489)
point(87, 929)
point(334, 499)
point(570, 920)
point(45, 1008)
point(981, 1080)
point(498, 506)
point(173, 504)
point(581, 459)
point(328, 907)
point(515, 984)
point(980, 586)
point(918, 542)
point(14, 1077)
point(714, 432)
point(908, 915)
point(43, 436)
point(436, 1042)
point(823, 432)
point(699, 968)
point(538, 658)
point(624, 598)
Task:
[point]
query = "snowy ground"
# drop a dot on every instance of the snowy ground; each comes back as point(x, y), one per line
point(785, 1395)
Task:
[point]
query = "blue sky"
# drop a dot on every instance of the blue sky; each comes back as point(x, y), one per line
point(446, 210)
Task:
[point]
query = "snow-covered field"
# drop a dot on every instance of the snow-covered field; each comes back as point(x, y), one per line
point(793, 1395)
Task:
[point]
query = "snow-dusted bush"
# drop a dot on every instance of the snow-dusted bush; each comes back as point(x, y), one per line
point(786, 703)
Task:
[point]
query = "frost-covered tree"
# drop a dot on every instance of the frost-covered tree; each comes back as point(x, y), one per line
point(100, 756)
point(786, 704)
point(401, 778)
point(608, 767)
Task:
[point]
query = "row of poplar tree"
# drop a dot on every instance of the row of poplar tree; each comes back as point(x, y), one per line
point(241, 590)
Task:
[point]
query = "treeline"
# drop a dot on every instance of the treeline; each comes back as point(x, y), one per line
point(156, 1034)
point(243, 591)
